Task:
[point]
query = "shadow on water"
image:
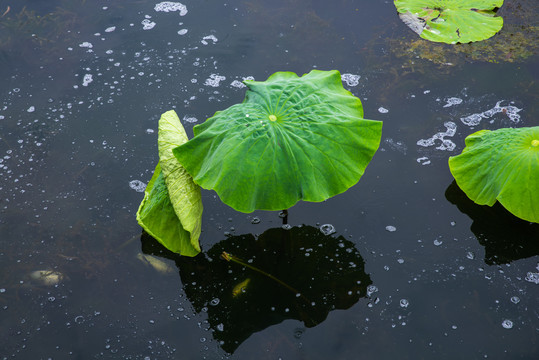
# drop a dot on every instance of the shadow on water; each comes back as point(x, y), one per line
point(299, 274)
point(505, 237)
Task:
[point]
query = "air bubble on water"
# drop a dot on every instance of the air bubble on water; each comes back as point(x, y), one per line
point(215, 302)
point(507, 324)
point(182, 31)
point(255, 220)
point(371, 289)
point(404, 303)
point(79, 319)
point(327, 229)
point(391, 228)
point(515, 299)
point(396, 145)
point(287, 226)
point(137, 185)
point(350, 79)
point(400, 261)
point(86, 44)
point(383, 110)
point(150, 131)
point(532, 277)
point(438, 242)
point(31, 109)
point(220, 327)
point(470, 255)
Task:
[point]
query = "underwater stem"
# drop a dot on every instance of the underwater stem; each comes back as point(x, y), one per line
point(229, 257)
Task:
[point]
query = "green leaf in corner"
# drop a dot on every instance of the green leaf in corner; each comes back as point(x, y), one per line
point(171, 210)
point(501, 165)
point(451, 21)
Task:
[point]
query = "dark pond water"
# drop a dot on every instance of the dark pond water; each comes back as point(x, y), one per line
point(413, 269)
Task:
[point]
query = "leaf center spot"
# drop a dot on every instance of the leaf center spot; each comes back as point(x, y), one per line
point(535, 143)
point(273, 117)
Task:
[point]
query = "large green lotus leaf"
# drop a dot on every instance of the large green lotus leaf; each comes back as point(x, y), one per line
point(157, 216)
point(293, 138)
point(183, 192)
point(501, 165)
point(451, 21)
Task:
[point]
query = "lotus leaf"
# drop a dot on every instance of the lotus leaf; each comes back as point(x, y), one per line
point(171, 210)
point(293, 138)
point(184, 193)
point(501, 165)
point(451, 21)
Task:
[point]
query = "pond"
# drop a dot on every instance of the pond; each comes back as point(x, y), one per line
point(402, 265)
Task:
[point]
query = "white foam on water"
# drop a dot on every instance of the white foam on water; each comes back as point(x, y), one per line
point(182, 32)
point(452, 101)
point(214, 80)
point(446, 144)
point(237, 84)
point(350, 79)
point(190, 119)
point(31, 109)
point(532, 277)
point(86, 44)
point(423, 160)
point(147, 24)
point(169, 6)
point(205, 39)
point(383, 110)
point(88, 78)
point(137, 185)
point(510, 110)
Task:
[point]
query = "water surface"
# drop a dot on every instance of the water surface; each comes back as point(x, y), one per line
point(419, 270)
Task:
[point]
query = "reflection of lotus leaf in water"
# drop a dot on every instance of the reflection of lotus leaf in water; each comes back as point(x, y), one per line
point(451, 21)
point(505, 237)
point(297, 274)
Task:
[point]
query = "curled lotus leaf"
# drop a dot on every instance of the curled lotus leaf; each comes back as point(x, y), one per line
point(451, 21)
point(292, 138)
point(501, 165)
point(171, 210)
